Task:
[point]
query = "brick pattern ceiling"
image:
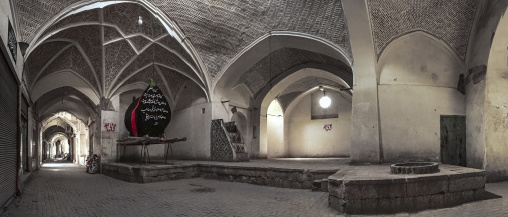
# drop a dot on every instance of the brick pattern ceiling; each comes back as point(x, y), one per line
point(75, 44)
point(448, 20)
point(218, 29)
point(33, 14)
point(282, 60)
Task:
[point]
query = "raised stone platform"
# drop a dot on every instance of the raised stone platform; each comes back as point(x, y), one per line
point(285, 173)
point(372, 189)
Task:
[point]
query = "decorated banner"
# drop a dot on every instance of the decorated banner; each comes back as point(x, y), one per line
point(149, 114)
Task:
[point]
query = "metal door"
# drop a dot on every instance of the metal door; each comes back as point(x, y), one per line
point(8, 132)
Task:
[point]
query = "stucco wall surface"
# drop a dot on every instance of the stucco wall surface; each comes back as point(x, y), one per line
point(410, 120)
point(276, 146)
point(476, 93)
point(496, 109)
point(308, 138)
point(418, 83)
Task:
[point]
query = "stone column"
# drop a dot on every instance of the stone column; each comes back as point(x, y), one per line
point(365, 142)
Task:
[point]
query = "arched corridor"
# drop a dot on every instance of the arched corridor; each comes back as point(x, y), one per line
point(268, 92)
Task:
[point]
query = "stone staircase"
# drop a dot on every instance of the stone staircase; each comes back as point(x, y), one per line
point(227, 143)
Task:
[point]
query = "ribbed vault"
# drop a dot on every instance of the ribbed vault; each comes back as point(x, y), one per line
point(108, 49)
point(218, 30)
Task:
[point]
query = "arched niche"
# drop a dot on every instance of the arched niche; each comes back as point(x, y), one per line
point(418, 79)
point(259, 118)
point(326, 137)
point(419, 58)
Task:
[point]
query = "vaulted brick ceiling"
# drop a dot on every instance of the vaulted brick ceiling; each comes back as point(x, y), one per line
point(218, 30)
point(108, 49)
point(448, 20)
point(282, 60)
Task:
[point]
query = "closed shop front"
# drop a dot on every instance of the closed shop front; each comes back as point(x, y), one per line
point(8, 132)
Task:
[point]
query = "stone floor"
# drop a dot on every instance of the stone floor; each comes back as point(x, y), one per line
point(62, 189)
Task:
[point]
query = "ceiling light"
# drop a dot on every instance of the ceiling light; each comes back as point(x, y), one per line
point(325, 101)
point(140, 20)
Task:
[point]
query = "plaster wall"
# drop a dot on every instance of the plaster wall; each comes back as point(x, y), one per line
point(83, 148)
point(275, 131)
point(496, 108)
point(475, 122)
point(410, 120)
point(195, 126)
point(418, 80)
point(109, 137)
point(307, 138)
point(190, 94)
point(263, 148)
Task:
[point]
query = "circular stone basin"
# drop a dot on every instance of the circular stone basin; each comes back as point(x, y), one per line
point(414, 168)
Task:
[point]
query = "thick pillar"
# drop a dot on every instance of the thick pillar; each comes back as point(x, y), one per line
point(496, 107)
point(109, 125)
point(365, 142)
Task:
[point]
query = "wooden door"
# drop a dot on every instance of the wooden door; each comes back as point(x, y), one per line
point(453, 140)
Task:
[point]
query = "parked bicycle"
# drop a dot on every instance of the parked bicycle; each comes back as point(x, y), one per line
point(92, 164)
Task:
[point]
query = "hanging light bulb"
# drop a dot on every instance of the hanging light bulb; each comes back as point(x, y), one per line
point(325, 101)
point(140, 20)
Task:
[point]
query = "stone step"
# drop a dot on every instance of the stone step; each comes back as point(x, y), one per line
point(320, 185)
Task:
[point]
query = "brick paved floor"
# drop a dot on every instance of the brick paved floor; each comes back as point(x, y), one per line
point(66, 190)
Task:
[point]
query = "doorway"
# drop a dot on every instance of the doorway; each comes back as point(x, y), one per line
point(453, 140)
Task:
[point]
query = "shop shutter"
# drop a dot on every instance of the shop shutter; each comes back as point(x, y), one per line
point(8, 132)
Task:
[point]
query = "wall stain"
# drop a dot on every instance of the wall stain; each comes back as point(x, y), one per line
point(435, 77)
point(423, 68)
